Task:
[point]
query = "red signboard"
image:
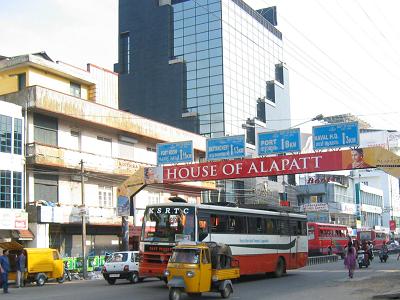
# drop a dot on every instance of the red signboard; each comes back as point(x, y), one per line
point(392, 225)
point(255, 167)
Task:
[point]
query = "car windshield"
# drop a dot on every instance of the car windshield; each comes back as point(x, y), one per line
point(118, 257)
point(189, 256)
point(168, 224)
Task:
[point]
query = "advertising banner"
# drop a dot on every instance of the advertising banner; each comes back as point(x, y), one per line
point(226, 147)
point(173, 153)
point(285, 164)
point(13, 220)
point(123, 208)
point(336, 136)
point(278, 142)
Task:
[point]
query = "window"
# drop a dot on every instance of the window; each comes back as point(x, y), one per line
point(21, 81)
point(279, 73)
point(5, 189)
point(75, 140)
point(261, 111)
point(17, 190)
point(75, 89)
point(256, 225)
point(46, 187)
point(237, 224)
point(219, 223)
point(18, 136)
point(45, 130)
point(105, 144)
point(270, 225)
point(5, 134)
point(271, 91)
point(105, 196)
point(124, 52)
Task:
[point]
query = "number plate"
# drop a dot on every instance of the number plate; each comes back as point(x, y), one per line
point(114, 275)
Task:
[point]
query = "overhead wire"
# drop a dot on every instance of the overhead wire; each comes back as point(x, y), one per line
point(269, 52)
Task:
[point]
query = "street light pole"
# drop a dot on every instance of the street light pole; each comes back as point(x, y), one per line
point(83, 211)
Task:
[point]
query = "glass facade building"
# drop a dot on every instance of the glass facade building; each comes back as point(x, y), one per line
point(219, 63)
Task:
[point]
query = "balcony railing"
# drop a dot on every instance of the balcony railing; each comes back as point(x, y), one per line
point(53, 156)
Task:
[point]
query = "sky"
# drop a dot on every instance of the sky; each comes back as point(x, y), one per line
point(343, 56)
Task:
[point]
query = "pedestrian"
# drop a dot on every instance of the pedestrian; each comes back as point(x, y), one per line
point(350, 260)
point(21, 266)
point(5, 268)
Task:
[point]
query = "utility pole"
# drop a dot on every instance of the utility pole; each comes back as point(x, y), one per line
point(83, 211)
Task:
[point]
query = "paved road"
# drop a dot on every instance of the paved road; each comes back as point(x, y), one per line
point(327, 281)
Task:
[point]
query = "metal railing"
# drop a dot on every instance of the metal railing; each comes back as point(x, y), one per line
point(316, 260)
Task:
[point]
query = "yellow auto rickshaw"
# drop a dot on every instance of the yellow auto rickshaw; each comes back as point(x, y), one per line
point(196, 268)
point(41, 263)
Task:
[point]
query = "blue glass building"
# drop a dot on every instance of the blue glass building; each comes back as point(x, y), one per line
point(207, 66)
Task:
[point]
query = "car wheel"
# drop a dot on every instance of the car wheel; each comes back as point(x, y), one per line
point(134, 278)
point(227, 291)
point(111, 281)
point(175, 294)
point(40, 279)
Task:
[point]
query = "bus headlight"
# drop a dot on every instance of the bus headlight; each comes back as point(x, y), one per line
point(190, 274)
point(166, 273)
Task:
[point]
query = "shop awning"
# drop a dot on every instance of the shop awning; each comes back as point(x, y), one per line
point(24, 235)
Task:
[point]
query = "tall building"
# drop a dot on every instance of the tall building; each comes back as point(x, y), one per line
point(208, 66)
point(70, 117)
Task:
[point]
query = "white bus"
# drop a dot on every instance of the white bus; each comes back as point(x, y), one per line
point(262, 241)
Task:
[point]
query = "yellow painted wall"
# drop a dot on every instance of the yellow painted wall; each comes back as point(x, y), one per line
point(9, 84)
point(54, 82)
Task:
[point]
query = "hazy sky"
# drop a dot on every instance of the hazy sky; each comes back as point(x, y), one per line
point(343, 55)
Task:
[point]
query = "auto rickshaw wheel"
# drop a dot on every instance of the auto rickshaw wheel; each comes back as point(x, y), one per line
point(111, 281)
point(227, 291)
point(175, 293)
point(40, 279)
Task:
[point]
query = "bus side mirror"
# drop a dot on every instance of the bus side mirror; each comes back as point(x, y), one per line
point(202, 235)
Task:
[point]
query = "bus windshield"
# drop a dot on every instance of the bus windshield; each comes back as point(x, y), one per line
point(168, 224)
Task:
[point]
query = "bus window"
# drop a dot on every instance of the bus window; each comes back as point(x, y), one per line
point(237, 224)
point(203, 229)
point(270, 226)
point(219, 223)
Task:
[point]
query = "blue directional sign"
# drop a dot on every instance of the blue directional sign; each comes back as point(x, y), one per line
point(173, 153)
point(336, 136)
point(226, 147)
point(278, 141)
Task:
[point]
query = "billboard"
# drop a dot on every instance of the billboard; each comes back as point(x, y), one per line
point(336, 136)
point(278, 142)
point(173, 153)
point(285, 164)
point(226, 147)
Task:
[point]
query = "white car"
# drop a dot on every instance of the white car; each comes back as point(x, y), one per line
point(122, 265)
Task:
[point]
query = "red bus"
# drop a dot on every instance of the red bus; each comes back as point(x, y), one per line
point(377, 237)
point(262, 241)
point(324, 239)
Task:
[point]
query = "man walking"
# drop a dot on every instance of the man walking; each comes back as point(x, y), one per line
point(5, 268)
point(21, 265)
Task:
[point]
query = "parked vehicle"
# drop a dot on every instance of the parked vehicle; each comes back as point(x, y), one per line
point(122, 265)
point(196, 268)
point(67, 273)
point(42, 264)
point(362, 259)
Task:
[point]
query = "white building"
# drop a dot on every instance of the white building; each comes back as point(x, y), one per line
point(68, 122)
point(13, 218)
